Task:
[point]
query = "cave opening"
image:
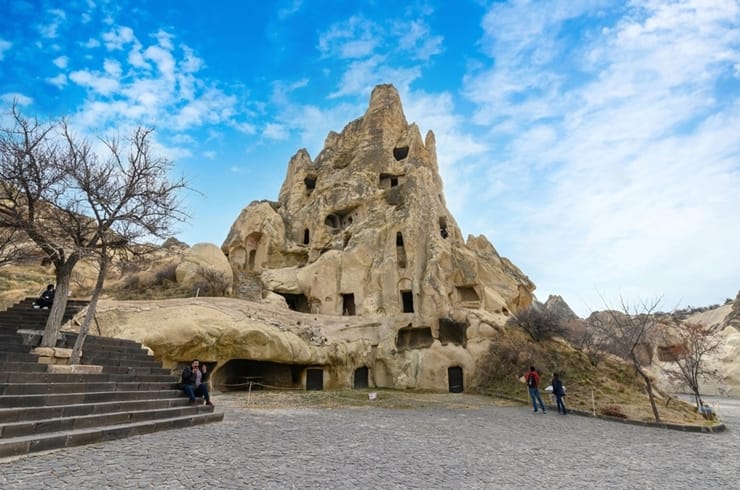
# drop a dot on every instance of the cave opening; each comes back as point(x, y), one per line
point(245, 374)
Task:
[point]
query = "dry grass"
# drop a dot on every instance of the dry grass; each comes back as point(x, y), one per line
point(20, 281)
point(613, 383)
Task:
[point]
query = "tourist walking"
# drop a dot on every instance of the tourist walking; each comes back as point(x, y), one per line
point(559, 391)
point(533, 382)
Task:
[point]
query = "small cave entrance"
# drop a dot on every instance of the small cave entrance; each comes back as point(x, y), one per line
point(444, 233)
point(455, 379)
point(414, 338)
point(388, 181)
point(361, 380)
point(400, 251)
point(400, 152)
point(467, 294)
point(452, 332)
point(296, 302)
point(252, 256)
point(306, 236)
point(407, 301)
point(314, 379)
point(238, 374)
point(348, 304)
point(310, 182)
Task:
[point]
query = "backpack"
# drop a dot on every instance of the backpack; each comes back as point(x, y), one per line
point(531, 382)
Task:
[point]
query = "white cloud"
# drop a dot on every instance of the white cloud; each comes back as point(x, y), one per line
point(623, 176)
point(361, 76)
point(210, 155)
point(112, 68)
point(16, 97)
point(61, 62)
point(356, 38)
point(213, 106)
point(118, 37)
point(294, 6)
point(4, 46)
point(58, 81)
point(91, 43)
point(136, 57)
point(50, 28)
point(98, 83)
point(275, 131)
point(163, 59)
point(415, 37)
point(244, 127)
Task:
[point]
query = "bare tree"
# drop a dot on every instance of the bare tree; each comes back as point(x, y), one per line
point(694, 342)
point(12, 247)
point(592, 342)
point(538, 322)
point(128, 197)
point(628, 331)
point(31, 185)
point(73, 204)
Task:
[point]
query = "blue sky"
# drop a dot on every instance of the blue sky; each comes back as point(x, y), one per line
point(595, 143)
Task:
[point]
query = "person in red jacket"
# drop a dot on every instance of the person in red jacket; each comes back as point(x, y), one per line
point(533, 382)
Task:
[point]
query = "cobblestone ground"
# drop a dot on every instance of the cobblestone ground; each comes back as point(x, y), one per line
point(438, 447)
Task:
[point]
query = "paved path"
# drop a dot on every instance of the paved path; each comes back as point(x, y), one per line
point(489, 447)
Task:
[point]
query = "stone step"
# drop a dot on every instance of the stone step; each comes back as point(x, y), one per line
point(20, 414)
point(28, 367)
point(46, 377)
point(55, 440)
point(83, 387)
point(4, 347)
point(29, 427)
point(135, 370)
point(6, 357)
point(101, 360)
point(116, 354)
point(38, 400)
point(11, 339)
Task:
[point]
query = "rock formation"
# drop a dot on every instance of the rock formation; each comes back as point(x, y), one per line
point(357, 270)
point(363, 230)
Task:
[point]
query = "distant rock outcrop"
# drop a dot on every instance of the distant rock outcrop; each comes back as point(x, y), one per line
point(559, 308)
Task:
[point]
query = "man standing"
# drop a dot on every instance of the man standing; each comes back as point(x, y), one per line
point(193, 382)
point(533, 382)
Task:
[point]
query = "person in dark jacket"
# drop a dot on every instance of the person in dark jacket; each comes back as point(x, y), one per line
point(194, 382)
point(46, 299)
point(559, 392)
point(533, 382)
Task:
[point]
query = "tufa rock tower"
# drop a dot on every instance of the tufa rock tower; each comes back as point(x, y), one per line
point(363, 230)
point(357, 276)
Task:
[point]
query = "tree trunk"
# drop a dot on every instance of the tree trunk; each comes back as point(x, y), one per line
point(85, 328)
point(649, 388)
point(56, 313)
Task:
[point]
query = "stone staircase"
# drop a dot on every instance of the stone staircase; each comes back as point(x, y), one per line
point(42, 410)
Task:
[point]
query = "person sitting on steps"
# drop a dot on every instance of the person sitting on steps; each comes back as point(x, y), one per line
point(193, 382)
point(46, 299)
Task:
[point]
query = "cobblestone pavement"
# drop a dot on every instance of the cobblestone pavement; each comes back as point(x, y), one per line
point(483, 447)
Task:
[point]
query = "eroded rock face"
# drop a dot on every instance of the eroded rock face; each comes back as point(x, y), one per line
point(204, 262)
point(364, 230)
